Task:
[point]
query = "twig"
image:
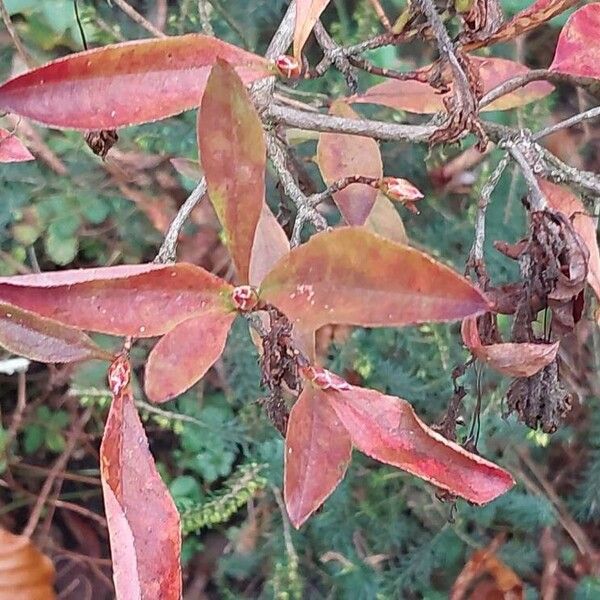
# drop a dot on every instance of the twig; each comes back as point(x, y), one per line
point(383, 19)
point(518, 150)
point(27, 59)
point(204, 10)
point(287, 535)
point(17, 417)
point(168, 249)
point(134, 15)
point(592, 113)
point(332, 53)
point(56, 470)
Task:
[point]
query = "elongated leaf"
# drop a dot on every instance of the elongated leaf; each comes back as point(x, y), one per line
point(512, 359)
point(184, 354)
point(25, 573)
point(138, 300)
point(232, 147)
point(270, 244)
point(387, 429)
point(354, 277)
point(422, 98)
point(340, 155)
point(143, 522)
point(42, 339)
point(385, 220)
point(124, 84)
point(317, 453)
point(563, 200)
point(12, 149)
point(307, 14)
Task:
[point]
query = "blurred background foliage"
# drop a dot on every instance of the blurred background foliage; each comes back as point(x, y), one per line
point(383, 534)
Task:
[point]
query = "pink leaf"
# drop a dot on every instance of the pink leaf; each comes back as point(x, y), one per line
point(307, 14)
point(12, 148)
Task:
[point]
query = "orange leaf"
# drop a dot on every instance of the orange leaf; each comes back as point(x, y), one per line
point(12, 149)
point(24, 571)
point(143, 522)
point(341, 155)
point(563, 200)
point(422, 98)
point(385, 220)
point(317, 453)
point(232, 147)
point(184, 355)
point(42, 339)
point(124, 84)
point(512, 359)
point(138, 300)
point(387, 429)
point(307, 14)
point(352, 276)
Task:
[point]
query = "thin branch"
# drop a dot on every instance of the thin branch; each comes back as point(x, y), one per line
point(27, 59)
point(519, 149)
point(204, 10)
point(333, 54)
point(383, 18)
point(592, 113)
point(134, 15)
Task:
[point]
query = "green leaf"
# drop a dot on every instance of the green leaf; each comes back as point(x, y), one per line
point(62, 251)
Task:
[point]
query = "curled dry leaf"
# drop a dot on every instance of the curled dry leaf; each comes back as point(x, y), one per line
point(331, 280)
point(307, 14)
point(12, 149)
point(422, 98)
point(139, 300)
point(25, 573)
point(512, 359)
point(233, 151)
point(401, 190)
point(143, 522)
point(578, 48)
point(341, 155)
point(317, 453)
point(124, 84)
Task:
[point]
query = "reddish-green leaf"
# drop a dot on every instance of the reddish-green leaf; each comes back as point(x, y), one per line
point(270, 244)
point(124, 84)
point(317, 453)
point(387, 429)
point(307, 14)
point(352, 276)
point(341, 155)
point(12, 149)
point(578, 49)
point(564, 201)
point(422, 98)
point(45, 340)
point(143, 522)
point(184, 354)
point(232, 147)
point(512, 359)
point(138, 300)
point(385, 220)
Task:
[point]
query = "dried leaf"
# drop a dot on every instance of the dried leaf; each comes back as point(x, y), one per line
point(512, 359)
point(187, 167)
point(341, 155)
point(12, 149)
point(232, 147)
point(564, 201)
point(332, 279)
point(385, 220)
point(143, 522)
point(138, 300)
point(422, 98)
point(387, 429)
point(124, 84)
point(307, 14)
point(317, 453)
point(25, 573)
point(184, 355)
point(42, 339)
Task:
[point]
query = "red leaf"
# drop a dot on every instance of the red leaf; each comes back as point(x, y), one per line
point(354, 277)
point(38, 338)
point(143, 522)
point(512, 359)
point(270, 244)
point(578, 49)
point(12, 148)
point(422, 98)
point(124, 84)
point(564, 201)
point(317, 453)
point(387, 429)
point(341, 155)
point(138, 300)
point(232, 147)
point(307, 14)
point(184, 354)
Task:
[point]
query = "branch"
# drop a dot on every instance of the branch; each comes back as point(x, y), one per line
point(521, 150)
point(134, 15)
point(27, 59)
point(333, 54)
point(592, 113)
